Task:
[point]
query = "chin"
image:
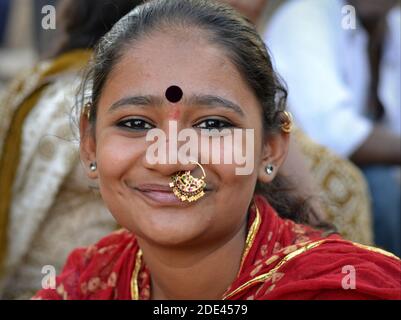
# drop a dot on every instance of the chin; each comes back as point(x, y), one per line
point(172, 229)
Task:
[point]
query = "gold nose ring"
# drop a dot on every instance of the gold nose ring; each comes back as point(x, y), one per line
point(186, 187)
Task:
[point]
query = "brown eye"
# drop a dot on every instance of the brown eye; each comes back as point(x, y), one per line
point(210, 124)
point(135, 124)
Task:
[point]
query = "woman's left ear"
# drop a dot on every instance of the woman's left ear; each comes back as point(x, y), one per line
point(274, 152)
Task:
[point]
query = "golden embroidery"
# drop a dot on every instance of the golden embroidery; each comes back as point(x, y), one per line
point(290, 249)
point(277, 276)
point(134, 277)
point(256, 270)
point(251, 236)
point(377, 250)
point(277, 247)
point(263, 250)
point(266, 276)
point(271, 260)
point(343, 190)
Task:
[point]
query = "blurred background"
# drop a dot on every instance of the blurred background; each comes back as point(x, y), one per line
point(23, 40)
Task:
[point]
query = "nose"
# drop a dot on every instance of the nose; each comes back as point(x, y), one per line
point(168, 157)
point(170, 162)
point(169, 168)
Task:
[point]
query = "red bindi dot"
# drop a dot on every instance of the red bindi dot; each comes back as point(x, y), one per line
point(174, 94)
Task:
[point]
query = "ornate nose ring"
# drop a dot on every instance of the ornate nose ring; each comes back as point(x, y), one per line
point(186, 187)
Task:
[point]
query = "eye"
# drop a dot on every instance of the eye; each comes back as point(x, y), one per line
point(210, 124)
point(135, 124)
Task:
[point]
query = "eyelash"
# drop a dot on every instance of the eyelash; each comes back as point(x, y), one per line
point(223, 124)
point(123, 124)
point(141, 124)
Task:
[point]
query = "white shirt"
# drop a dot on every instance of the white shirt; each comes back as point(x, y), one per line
point(326, 68)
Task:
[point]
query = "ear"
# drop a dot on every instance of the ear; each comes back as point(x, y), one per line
point(87, 148)
point(274, 152)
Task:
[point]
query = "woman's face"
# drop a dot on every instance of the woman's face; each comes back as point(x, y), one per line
point(136, 191)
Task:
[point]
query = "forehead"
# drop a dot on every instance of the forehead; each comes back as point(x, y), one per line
point(184, 58)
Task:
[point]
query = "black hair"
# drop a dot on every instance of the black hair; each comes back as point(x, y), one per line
point(84, 22)
point(238, 38)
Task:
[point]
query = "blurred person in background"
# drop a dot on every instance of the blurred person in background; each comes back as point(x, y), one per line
point(47, 206)
point(335, 183)
point(43, 38)
point(4, 10)
point(344, 89)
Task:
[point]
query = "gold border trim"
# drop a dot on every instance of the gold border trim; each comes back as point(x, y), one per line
point(250, 238)
point(377, 250)
point(265, 276)
point(134, 276)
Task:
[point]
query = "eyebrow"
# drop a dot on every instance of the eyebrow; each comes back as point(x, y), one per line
point(143, 101)
point(198, 99)
point(215, 102)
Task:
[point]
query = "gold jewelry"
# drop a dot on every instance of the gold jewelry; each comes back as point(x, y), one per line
point(188, 188)
point(87, 110)
point(286, 125)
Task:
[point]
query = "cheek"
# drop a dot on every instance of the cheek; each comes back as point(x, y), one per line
point(233, 157)
point(116, 155)
point(235, 154)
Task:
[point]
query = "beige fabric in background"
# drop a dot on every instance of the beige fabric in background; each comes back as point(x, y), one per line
point(342, 189)
point(53, 209)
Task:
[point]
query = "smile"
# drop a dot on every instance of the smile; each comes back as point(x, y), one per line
point(161, 195)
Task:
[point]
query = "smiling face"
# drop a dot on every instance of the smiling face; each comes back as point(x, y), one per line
point(133, 102)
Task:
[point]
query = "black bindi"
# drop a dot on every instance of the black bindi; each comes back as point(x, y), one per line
point(174, 94)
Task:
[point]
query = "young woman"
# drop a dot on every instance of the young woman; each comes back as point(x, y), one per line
point(200, 65)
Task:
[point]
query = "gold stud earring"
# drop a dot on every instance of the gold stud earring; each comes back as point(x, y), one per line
point(186, 187)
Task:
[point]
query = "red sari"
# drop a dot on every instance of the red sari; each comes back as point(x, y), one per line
point(282, 260)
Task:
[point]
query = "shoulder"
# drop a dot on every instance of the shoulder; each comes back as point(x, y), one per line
point(92, 269)
point(339, 269)
point(106, 248)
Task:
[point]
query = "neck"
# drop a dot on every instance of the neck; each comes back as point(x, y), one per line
point(194, 273)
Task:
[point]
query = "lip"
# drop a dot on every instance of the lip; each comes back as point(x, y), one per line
point(160, 195)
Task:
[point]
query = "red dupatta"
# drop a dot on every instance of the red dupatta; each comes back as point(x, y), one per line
point(281, 260)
